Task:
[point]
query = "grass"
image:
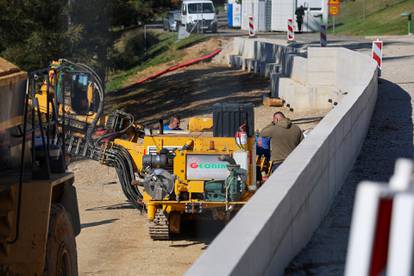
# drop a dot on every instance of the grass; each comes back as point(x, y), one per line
point(167, 49)
point(381, 19)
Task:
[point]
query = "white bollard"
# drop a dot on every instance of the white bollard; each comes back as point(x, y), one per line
point(290, 31)
point(376, 54)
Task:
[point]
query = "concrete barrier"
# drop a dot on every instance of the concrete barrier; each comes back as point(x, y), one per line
point(281, 217)
point(258, 55)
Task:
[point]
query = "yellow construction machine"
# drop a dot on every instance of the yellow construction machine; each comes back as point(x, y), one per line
point(206, 170)
point(39, 215)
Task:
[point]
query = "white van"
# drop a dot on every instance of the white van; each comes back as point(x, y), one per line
point(199, 16)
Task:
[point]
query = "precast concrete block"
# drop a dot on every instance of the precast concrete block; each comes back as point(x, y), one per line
point(287, 64)
point(282, 255)
point(271, 68)
point(299, 69)
point(321, 78)
point(274, 84)
point(339, 167)
point(261, 66)
point(315, 52)
point(302, 188)
point(249, 66)
point(248, 50)
point(236, 61)
point(238, 45)
point(332, 144)
point(332, 172)
point(347, 123)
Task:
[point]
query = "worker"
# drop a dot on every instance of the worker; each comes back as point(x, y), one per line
point(173, 124)
point(300, 12)
point(285, 137)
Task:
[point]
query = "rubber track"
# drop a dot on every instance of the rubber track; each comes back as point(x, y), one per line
point(159, 227)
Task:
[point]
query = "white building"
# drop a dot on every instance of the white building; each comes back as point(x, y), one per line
point(273, 15)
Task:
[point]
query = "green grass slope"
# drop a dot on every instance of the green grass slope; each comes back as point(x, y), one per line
point(382, 17)
point(166, 49)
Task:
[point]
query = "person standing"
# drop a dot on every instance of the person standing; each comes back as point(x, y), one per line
point(285, 137)
point(300, 12)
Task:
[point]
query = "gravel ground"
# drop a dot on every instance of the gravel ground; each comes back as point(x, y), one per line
point(114, 239)
point(390, 136)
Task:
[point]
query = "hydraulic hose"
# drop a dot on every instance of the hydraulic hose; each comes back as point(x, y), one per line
point(117, 156)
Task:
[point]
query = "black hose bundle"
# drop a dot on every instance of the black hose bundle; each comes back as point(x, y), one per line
point(120, 158)
point(116, 156)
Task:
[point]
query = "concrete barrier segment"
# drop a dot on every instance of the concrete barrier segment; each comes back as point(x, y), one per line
point(281, 217)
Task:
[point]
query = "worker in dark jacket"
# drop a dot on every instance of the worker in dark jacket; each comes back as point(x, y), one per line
point(285, 137)
point(300, 12)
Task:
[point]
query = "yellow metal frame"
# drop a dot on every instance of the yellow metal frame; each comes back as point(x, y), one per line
point(200, 143)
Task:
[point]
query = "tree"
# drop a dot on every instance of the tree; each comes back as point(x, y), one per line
point(33, 32)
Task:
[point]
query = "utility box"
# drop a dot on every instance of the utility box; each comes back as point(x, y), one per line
point(228, 118)
point(234, 15)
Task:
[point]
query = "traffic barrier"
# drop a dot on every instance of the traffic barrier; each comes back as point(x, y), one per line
point(282, 216)
point(324, 40)
point(377, 53)
point(252, 31)
point(381, 237)
point(290, 31)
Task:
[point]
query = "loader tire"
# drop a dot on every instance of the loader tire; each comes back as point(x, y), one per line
point(61, 254)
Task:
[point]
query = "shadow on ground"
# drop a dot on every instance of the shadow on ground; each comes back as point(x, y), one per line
point(97, 223)
point(188, 93)
point(198, 232)
point(390, 136)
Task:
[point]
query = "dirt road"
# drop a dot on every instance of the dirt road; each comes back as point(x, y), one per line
point(114, 238)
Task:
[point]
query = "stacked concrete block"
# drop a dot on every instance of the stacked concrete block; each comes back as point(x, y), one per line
point(281, 217)
point(274, 85)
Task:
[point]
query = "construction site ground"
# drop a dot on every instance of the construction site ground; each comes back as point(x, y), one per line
point(114, 238)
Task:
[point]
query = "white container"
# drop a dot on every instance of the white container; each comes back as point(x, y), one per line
point(316, 13)
point(257, 9)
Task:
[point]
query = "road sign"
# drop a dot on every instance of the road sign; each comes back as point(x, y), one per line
point(334, 9)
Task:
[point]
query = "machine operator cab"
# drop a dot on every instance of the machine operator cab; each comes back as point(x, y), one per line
point(199, 16)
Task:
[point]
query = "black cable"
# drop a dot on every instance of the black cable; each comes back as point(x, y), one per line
point(22, 157)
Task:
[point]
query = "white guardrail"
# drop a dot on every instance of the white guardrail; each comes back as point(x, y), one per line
point(281, 217)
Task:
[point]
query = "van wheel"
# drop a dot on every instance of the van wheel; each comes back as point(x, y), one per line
point(61, 255)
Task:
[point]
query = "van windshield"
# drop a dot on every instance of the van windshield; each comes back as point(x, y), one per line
point(200, 8)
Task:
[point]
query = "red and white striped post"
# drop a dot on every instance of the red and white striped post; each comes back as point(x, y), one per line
point(252, 31)
point(377, 47)
point(290, 32)
point(382, 229)
point(324, 39)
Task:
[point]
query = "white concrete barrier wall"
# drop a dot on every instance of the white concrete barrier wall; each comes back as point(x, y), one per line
point(281, 217)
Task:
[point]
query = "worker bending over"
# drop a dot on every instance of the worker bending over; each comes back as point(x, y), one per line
point(285, 137)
